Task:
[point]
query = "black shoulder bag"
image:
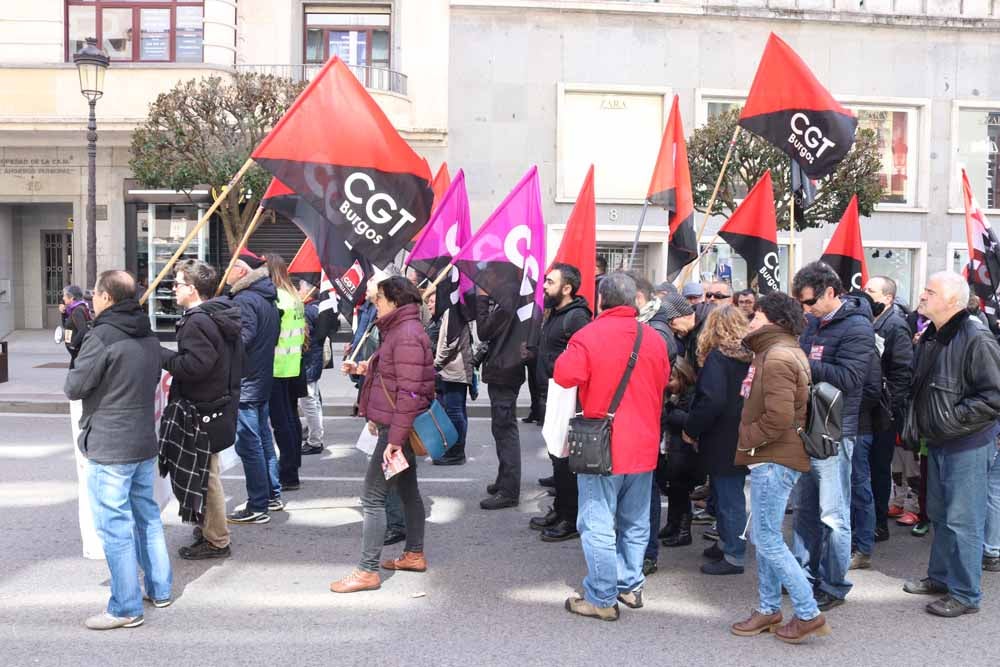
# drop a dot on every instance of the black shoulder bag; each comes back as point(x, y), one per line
point(590, 439)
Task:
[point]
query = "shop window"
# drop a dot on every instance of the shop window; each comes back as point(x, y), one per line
point(360, 39)
point(896, 263)
point(978, 148)
point(138, 31)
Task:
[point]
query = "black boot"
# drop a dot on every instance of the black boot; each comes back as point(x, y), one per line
point(670, 529)
point(683, 535)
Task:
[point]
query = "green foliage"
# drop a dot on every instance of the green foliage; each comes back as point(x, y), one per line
point(752, 156)
point(202, 131)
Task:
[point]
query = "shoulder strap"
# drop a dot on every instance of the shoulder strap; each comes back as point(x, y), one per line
point(628, 372)
point(386, 392)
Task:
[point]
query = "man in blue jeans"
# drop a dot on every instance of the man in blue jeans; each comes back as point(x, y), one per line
point(839, 342)
point(115, 376)
point(956, 401)
point(991, 545)
point(602, 361)
point(252, 290)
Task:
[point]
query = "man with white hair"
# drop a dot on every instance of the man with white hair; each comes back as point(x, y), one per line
point(956, 401)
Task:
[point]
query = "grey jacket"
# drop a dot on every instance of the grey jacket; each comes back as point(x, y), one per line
point(454, 361)
point(115, 375)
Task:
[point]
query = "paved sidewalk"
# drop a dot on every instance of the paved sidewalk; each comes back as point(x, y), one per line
point(37, 370)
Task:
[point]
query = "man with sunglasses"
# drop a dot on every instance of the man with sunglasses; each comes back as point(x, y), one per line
point(840, 344)
point(720, 293)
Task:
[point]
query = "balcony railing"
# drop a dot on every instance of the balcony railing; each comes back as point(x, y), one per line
point(374, 78)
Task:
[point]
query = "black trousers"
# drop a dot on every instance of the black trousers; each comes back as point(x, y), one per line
point(880, 459)
point(503, 422)
point(682, 476)
point(534, 389)
point(567, 501)
point(287, 430)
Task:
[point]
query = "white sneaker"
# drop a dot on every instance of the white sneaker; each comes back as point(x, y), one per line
point(159, 604)
point(105, 621)
point(275, 505)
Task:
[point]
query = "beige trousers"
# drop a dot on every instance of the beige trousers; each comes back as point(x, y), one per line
point(214, 527)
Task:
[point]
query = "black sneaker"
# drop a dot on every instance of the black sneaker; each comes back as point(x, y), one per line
point(309, 450)
point(498, 502)
point(649, 566)
point(713, 553)
point(547, 482)
point(203, 550)
point(881, 533)
point(290, 486)
point(491, 489)
point(393, 537)
point(248, 516)
point(826, 602)
point(991, 563)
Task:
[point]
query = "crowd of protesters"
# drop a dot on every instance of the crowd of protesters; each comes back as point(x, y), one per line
point(717, 392)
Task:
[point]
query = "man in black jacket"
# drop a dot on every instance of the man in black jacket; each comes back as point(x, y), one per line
point(956, 402)
point(206, 369)
point(568, 313)
point(115, 376)
point(255, 294)
point(503, 372)
point(894, 342)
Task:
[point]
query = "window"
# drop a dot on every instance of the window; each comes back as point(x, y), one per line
point(137, 30)
point(978, 149)
point(360, 39)
point(721, 262)
point(896, 131)
point(900, 264)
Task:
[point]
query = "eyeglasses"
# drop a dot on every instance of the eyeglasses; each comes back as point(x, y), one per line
point(717, 295)
point(178, 283)
point(809, 302)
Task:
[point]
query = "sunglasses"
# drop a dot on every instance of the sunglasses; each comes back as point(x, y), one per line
point(809, 302)
point(717, 295)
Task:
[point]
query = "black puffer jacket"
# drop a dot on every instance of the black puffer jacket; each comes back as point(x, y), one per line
point(897, 359)
point(507, 347)
point(556, 332)
point(256, 296)
point(956, 385)
point(208, 365)
point(713, 418)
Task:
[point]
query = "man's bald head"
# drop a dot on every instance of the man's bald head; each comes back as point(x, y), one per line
point(116, 285)
point(240, 269)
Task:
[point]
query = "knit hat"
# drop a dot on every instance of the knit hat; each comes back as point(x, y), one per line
point(676, 306)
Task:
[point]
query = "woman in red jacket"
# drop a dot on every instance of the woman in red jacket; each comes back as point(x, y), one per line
point(399, 385)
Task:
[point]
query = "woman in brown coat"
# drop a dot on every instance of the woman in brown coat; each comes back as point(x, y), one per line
point(399, 385)
point(775, 394)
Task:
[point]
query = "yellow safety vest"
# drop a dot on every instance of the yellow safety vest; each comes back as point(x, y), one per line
point(288, 351)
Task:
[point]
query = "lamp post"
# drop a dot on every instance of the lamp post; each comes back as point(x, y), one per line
point(91, 63)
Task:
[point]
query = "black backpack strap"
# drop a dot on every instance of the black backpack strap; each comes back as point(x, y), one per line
point(620, 392)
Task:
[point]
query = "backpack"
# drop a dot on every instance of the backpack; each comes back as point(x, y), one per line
point(824, 425)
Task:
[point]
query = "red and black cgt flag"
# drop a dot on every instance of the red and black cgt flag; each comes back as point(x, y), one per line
point(336, 149)
point(845, 253)
point(752, 231)
point(790, 108)
point(670, 188)
point(347, 269)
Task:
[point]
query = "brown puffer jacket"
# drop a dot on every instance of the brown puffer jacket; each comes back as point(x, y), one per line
point(777, 402)
point(399, 384)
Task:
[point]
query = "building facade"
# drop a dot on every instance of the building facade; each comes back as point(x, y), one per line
point(493, 87)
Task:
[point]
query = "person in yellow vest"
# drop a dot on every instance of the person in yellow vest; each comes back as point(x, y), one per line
point(289, 381)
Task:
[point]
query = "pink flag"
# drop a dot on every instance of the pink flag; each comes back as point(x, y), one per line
point(449, 229)
point(507, 253)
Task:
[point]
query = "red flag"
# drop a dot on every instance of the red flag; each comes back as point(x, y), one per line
point(790, 108)
point(670, 187)
point(579, 242)
point(845, 253)
point(440, 185)
point(983, 270)
point(336, 149)
point(752, 231)
point(306, 264)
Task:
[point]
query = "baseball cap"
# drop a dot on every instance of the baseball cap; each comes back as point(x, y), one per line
point(692, 289)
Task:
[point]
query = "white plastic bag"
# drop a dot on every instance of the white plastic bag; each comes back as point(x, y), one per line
point(367, 441)
point(560, 406)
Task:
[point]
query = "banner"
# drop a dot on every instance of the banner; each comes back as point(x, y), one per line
point(752, 232)
point(670, 187)
point(336, 149)
point(846, 254)
point(790, 108)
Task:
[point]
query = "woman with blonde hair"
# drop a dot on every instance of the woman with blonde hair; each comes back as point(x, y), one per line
point(712, 426)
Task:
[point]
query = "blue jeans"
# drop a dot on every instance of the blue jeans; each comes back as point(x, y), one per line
point(452, 397)
point(256, 449)
point(956, 505)
point(614, 528)
point(991, 545)
point(653, 545)
point(770, 486)
point(731, 515)
point(862, 499)
point(822, 522)
point(127, 519)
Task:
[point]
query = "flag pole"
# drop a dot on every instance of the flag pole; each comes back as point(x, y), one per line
point(361, 342)
point(236, 253)
point(437, 279)
point(711, 204)
point(791, 237)
point(638, 230)
point(197, 228)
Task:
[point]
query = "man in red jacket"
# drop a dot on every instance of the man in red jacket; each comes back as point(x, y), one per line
point(614, 510)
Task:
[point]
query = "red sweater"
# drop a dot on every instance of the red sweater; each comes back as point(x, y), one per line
point(595, 361)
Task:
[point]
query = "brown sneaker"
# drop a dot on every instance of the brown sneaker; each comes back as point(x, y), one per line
point(584, 608)
point(796, 630)
point(757, 623)
point(412, 561)
point(359, 580)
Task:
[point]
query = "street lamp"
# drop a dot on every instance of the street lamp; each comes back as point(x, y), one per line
point(91, 63)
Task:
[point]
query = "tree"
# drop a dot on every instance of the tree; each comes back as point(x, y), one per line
point(203, 130)
point(752, 156)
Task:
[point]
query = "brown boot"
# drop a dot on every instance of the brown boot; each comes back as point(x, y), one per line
point(796, 630)
point(412, 561)
point(757, 623)
point(359, 580)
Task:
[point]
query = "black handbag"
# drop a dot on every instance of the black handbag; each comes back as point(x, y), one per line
point(590, 439)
